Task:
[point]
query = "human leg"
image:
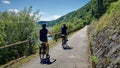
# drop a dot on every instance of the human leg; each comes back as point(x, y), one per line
point(47, 48)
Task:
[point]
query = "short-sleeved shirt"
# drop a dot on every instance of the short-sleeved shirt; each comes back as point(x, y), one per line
point(64, 30)
point(43, 35)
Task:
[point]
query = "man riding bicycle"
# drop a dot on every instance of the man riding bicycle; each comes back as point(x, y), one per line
point(64, 33)
point(43, 37)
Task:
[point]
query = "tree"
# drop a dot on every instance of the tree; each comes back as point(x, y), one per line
point(15, 27)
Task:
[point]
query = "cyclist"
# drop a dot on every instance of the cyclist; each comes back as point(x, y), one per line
point(43, 37)
point(64, 33)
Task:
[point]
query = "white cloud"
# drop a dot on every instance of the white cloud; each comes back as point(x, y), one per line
point(14, 10)
point(6, 2)
point(31, 14)
point(54, 17)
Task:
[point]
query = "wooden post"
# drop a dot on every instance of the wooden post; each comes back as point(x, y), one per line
point(55, 37)
point(30, 47)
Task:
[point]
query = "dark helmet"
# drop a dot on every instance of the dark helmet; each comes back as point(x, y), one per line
point(64, 24)
point(44, 25)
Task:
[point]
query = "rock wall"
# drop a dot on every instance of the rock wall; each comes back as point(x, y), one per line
point(105, 43)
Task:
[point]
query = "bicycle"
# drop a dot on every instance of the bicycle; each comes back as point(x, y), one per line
point(64, 41)
point(42, 53)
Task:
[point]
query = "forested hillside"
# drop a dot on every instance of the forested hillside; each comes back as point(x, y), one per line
point(83, 16)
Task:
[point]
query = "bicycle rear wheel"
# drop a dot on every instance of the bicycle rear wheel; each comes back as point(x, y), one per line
point(42, 53)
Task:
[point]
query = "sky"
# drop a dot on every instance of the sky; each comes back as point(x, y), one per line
point(49, 9)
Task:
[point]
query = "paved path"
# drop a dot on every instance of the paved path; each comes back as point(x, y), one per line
point(74, 58)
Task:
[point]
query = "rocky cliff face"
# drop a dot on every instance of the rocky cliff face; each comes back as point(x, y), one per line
point(104, 36)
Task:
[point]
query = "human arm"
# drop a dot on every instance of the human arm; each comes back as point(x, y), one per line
point(49, 33)
point(39, 34)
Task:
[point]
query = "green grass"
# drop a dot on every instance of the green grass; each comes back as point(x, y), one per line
point(18, 62)
point(94, 59)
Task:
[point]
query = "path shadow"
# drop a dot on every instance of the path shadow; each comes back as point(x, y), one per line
point(67, 47)
point(47, 61)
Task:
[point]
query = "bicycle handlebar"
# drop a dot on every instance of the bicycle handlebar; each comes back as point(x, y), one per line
point(49, 36)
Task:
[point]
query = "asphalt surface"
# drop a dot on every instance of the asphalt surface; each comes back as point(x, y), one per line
point(76, 57)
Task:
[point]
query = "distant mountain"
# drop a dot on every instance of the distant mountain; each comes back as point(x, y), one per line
point(42, 22)
point(53, 22)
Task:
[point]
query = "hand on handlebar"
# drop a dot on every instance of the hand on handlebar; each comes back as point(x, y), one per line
point(50, 36)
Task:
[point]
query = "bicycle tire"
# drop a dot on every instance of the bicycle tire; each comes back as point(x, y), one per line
point(64, 42)
point(41, 53)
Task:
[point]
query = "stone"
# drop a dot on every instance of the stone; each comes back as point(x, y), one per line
point(112, 51)
point(113, 63)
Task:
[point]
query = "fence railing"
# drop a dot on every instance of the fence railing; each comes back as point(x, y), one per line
point(18, 44)
point(27, 43)
point(16, 50)
point(14, 44)
point(58, 35)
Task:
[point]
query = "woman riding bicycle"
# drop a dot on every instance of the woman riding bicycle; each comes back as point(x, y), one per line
point(43, 37)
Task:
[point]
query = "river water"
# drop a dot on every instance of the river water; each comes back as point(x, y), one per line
point(49, 38)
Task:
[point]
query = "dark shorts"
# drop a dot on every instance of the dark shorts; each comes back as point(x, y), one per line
point(63, 36)
point(43, 39)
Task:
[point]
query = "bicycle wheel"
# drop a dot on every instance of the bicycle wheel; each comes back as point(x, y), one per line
point(41, 53)
point(64, 40)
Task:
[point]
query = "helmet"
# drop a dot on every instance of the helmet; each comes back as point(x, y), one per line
point(43, 25)
point(64, 25)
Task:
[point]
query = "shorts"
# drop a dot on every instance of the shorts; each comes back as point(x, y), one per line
point(43, 39)
point(63, 36)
